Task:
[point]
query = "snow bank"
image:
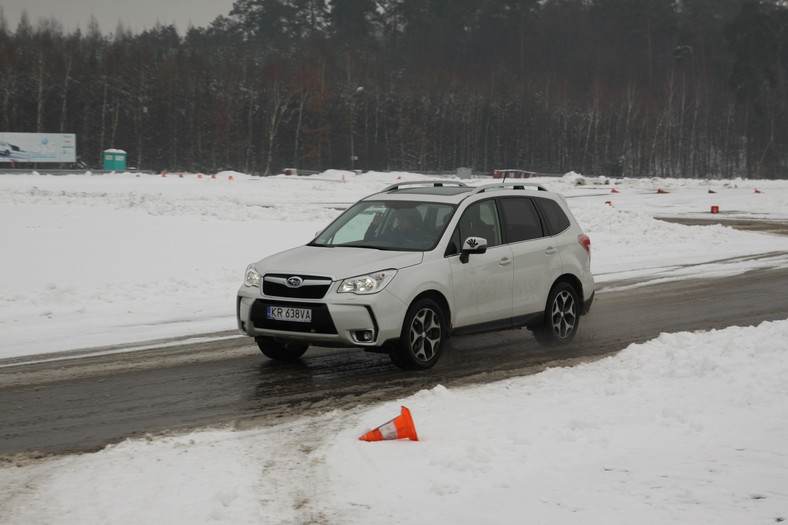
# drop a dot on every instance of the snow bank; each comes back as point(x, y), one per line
point(687, 428)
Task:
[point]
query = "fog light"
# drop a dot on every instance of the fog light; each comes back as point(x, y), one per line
point(363, 336)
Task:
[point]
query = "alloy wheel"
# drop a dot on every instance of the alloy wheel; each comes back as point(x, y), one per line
point(425, 334)
point(564, 314)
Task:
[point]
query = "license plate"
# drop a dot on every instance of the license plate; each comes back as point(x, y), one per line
point(282, 313)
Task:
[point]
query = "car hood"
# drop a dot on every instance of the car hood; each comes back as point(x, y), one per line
point(337, 262)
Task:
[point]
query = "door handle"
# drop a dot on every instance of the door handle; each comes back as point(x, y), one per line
point(505, 261)
point(550, 251)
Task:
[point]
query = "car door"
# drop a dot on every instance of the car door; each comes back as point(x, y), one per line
point(536, 256)
point(483, 285)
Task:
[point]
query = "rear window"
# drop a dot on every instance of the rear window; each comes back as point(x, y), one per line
point(521, 220)
point(554, 217)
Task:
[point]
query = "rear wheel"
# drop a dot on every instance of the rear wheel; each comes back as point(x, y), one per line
point(422, 338)
point(561, 317)
point(281, 351)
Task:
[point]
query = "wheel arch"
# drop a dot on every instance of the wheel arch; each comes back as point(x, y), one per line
point(441, 301)
point(572, 281)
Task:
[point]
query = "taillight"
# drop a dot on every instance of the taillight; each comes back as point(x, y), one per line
point(585, 242)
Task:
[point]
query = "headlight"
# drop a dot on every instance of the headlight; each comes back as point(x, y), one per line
point(367, 284)
point(252, 278)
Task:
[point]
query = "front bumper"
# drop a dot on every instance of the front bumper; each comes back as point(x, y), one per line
point(337, 319)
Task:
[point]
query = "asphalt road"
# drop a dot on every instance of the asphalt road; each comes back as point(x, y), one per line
point(77, 405)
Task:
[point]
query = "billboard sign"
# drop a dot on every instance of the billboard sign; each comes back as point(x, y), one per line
point(38, 147)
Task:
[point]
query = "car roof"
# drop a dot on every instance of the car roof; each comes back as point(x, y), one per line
point(440, 190)
point(447, 191)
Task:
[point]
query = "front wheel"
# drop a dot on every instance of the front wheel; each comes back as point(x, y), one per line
point(422, 338)
point(561, 317)
point(279, 351)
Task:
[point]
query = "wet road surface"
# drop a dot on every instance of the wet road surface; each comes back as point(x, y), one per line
point(76, 405)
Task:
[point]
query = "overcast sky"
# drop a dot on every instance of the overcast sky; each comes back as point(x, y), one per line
point(137, 15)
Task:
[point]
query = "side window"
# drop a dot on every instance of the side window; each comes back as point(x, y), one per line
point(520, 219)
point(481, 220)
point(554, 216)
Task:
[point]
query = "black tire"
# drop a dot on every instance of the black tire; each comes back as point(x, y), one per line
point(561, 317)
point(279, 351)
point(422, 338)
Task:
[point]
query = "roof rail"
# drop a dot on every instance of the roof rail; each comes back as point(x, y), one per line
point(513, 185)
point(433, 183)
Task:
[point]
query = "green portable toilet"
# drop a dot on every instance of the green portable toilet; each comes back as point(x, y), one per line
point(114, 160)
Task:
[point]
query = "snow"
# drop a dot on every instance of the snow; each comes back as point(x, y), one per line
point(686, 428)
point(98, 260)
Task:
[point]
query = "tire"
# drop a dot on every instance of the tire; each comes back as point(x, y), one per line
point(279, 351)
point(561, 317)
point(422, 338)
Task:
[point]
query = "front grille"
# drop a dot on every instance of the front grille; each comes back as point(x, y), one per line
point(321, 318)
point(312, 287)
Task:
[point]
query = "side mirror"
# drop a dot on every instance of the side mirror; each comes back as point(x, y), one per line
point(472, 245)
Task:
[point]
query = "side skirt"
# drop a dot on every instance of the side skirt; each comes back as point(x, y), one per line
point(502, 324)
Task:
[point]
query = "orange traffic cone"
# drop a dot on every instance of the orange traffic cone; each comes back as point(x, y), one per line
point(398, 428)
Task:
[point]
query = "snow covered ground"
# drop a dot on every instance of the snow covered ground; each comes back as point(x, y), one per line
point(687, 428)
point(95, 260)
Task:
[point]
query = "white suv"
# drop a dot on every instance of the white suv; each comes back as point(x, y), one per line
point(402, 270)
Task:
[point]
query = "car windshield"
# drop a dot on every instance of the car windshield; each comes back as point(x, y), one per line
point(388, 225)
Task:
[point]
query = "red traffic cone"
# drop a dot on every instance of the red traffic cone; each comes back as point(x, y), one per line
point(660, 190)
point(398, 428)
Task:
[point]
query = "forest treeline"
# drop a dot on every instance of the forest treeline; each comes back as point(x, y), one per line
point(680, 88)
